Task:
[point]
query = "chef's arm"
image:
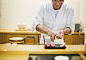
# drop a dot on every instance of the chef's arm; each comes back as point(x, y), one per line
point(45, 31)
point(41, 29)
point(61, 33)
point(67, 30)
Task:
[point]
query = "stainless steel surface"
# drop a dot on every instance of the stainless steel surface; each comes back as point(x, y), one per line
point(51, 57)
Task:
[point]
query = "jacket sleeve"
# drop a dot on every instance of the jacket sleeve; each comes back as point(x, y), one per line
point(38, 18)
point(71, 21)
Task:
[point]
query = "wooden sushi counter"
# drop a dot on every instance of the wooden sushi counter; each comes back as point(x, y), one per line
point(21, 52)
point(75, 39)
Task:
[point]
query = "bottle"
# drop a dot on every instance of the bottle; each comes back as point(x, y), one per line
point(30, 58)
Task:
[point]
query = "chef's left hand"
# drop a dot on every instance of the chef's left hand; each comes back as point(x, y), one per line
point(60, 34)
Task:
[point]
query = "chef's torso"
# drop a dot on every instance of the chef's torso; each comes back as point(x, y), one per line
point(54, 22)
point(51, 22)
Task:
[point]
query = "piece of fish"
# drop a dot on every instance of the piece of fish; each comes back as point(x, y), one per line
point(52, 45)
point(48, 45)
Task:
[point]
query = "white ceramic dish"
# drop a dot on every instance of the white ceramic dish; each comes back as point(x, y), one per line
point(16, 38)
point(14, 43)
point(8, 43)
point(61, 58)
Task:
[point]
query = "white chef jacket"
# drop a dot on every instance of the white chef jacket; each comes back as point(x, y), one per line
point(56, 12)
point(46, 17)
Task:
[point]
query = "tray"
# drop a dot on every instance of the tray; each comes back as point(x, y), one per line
point(57, 47)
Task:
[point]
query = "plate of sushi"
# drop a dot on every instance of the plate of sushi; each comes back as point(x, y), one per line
point(52, 45)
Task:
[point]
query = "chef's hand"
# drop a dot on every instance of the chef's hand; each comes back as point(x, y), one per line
point(60, 34)
point(52, 36)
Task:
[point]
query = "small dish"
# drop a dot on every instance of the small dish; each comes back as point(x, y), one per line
point(8, 43)
point(61, 58)
point(14, 43)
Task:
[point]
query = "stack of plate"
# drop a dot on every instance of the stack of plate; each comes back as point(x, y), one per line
point(16, 40)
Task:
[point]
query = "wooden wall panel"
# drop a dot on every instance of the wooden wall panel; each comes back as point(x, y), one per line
point(39, 38)
point(1, 38)
point(68, 39)
point(79, 39)
point(74, 39)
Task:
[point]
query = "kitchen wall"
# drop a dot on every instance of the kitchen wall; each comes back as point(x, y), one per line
point(76, 5)
point(0, 13)
point(14, 11)
point(83, 14)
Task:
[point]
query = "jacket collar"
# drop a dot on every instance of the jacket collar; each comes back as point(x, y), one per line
point(52, 11)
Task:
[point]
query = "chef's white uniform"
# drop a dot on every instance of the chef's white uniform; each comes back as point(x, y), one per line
point(54, 22)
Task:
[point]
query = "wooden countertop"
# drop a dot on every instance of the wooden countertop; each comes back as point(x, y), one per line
point(10, 31)
point(39, 49)
point(25, 32)
point(25, 50)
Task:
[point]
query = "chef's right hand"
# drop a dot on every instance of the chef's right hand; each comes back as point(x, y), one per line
point(60, 34)
point(52, 36)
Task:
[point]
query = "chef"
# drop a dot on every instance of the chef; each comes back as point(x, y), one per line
point(53, 20)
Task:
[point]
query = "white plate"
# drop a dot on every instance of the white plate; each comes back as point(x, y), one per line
point(61, 58)
point(16, 38)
